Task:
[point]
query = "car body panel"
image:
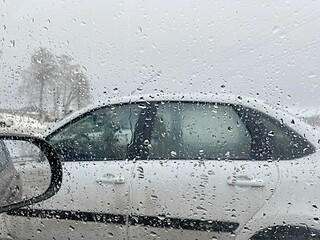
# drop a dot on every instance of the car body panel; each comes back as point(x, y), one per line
point(89, 194)
point(199, 192)
point(295, 201)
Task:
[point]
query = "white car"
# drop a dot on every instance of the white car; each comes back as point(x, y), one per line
point(180, 166)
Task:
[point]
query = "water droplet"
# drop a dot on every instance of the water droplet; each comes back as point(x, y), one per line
point(201, 208)
point(153, 234)
point(140, 169)
point(173, 154)
point(312, 75)
point(13, 43)
point(275, 29)
point(141, 106)
point(271, 133)
point(71, 228)
point(154, 197)
point(239, 99)
point(161, 217)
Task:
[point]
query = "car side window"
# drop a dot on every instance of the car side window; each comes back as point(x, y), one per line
point(102, 134)
point(272, 139)
point(198, 131)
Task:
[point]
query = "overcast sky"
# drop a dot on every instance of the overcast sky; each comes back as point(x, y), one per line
point(269, 50)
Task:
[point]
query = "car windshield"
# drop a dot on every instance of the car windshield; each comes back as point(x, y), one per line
point(173, 119)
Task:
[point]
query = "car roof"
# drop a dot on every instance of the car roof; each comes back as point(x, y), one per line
point(199, 96)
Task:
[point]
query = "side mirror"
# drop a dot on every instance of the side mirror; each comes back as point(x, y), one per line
point(30, 171)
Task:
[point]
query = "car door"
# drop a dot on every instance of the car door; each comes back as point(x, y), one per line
point(297, 164)
point(93, 202)
point(206, 174)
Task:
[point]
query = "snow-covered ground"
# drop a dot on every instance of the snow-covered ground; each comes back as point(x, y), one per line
point(303, 111)
point(310, 115)
point(23, 124)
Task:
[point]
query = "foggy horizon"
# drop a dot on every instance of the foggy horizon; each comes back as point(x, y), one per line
point(267, 51)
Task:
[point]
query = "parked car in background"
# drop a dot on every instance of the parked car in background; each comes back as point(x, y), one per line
point(5, 122)
point(26, 182)
point(11, 185)
point(191, 166)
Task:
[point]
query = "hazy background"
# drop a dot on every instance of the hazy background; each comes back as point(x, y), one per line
point(269, 50)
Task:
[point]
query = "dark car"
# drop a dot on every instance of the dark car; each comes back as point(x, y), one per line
point(5, 122)
point(11, 184)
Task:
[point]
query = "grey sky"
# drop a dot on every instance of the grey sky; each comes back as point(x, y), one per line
point(264, 49)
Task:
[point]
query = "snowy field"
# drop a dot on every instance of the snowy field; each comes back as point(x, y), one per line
point(23, 124)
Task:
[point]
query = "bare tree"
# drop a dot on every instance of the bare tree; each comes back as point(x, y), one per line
point(56, 82)
point(37, 77)
point(83, 90)
point(74, 93)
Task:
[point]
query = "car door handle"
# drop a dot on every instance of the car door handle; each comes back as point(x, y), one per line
point(244, 181)
point(110, 178)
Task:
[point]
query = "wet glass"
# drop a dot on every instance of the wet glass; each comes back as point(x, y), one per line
point(182, 119)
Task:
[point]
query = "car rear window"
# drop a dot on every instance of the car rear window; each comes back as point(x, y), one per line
point(273, 139)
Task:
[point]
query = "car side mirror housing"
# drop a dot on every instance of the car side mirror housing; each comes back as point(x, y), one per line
point(30, 171)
